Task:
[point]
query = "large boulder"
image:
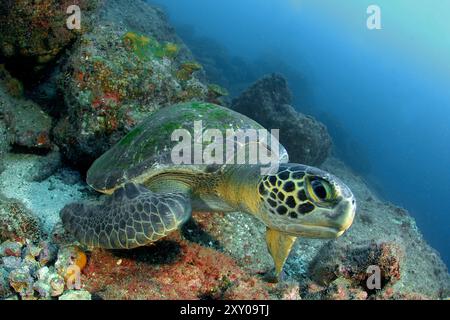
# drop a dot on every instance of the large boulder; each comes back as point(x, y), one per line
point(34, 33)
point(117, 75)
point(136, 16)
point(114, 79)
point(268, 101)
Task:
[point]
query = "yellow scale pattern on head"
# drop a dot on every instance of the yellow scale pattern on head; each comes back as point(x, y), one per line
point(285, 193)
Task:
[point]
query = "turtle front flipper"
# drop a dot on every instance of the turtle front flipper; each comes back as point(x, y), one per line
point(279, 245)
point(134, 216)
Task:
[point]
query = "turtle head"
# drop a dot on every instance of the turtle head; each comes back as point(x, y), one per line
point(303, 201)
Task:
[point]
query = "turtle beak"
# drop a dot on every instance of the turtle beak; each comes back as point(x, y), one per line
point(343, 216)
point(326, 223)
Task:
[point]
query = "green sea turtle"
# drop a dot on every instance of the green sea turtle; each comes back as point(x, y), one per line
point(152, 196)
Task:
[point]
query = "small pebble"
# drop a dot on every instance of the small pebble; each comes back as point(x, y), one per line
point(22, 282)
point(76, 295)
point(10, 248)
point(10, 263)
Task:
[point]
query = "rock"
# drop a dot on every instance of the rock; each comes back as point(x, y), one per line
point(43, 290)
point(44, 199)
point(22, 122)
point(16, 221)
point(21, 281)
point(49, 283)
point(113, 80)
point(34, 33)
point(343, 272)
point(44, 167)
point(268, 101)
point(170, 269)
point(239, 235)
point(5, 289)
point(11, 262)
point(287, 291)
point(143, 18)
point(137, 16)
point(76, 295)
point(352, 263)
point(11, 248)
point(69, 264)
point(341, 289)
point(28, 125)
point(23, 268)
point(391, 295)
point(31, 251)
point(12, 86)
point(4, 143)
point(4, 101)
point(47, 254)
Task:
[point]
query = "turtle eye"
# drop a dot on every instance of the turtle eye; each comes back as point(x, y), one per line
point(320, 190)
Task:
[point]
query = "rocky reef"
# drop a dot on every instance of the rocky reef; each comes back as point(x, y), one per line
point(67, 96)
point(269, 102)
point(112, 81)
point(118, 74)
point(34, 33)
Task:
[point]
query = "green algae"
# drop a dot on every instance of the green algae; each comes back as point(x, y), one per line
point(146, 48)
point(130, 136)
point(187, 69)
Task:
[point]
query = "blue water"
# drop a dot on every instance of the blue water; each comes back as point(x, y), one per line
point(384, 94)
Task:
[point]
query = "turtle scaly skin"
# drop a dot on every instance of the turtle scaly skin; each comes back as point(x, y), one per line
point(133, 217)
point(152, 197)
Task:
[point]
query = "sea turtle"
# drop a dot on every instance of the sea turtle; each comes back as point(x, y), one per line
point(152, 196)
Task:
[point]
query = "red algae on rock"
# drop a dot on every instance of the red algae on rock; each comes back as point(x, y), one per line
point(170, 269)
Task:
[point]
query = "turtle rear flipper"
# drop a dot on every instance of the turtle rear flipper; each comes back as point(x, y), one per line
point(134, 216)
